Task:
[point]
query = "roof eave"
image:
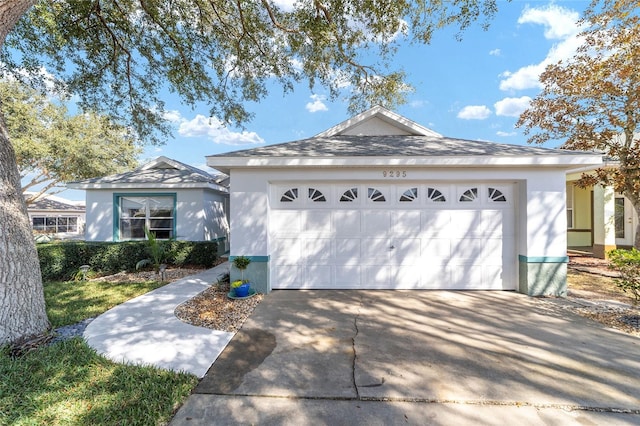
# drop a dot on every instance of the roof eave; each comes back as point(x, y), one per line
point(141, 186)
point(225, 164)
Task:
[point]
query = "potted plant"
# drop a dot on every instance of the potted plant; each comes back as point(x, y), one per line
point(241, 287)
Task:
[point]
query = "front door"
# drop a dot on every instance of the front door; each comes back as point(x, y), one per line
point(623, 222)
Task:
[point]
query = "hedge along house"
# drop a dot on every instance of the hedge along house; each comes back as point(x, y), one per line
point(170, 198)
point(380, 202)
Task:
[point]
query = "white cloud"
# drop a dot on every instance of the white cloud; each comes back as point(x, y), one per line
point(560, 24)
point(317, 104)
point(172, 116)
point(512, 107)
point(525, 78)
point(495, 52)
point(474, 112)
point(505, 134)
point(214, 130)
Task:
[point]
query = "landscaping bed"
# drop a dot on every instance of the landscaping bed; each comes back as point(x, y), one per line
point(593, 293)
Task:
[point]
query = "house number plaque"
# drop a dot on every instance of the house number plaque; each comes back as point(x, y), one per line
point(394, 174)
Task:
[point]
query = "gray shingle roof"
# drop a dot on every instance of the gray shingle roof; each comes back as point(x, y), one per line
point(154, 176)
point(46, 203)
point(161, 170)
point(392, 146)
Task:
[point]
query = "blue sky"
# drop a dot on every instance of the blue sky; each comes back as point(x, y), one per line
point(472, 89)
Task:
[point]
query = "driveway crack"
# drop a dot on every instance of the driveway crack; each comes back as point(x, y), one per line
point(353, 347)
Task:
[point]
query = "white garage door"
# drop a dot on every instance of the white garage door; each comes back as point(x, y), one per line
point(382, 236)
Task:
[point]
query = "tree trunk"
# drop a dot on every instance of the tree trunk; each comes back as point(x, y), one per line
point(22, 308)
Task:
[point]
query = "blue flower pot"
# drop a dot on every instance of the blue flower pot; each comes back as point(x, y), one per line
point(243, 290)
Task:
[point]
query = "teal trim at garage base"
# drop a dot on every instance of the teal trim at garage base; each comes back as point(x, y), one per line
point(543, 275)
point(257, 273)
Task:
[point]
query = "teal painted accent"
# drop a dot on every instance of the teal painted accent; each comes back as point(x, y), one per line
point(258, 259)
point(543, 259)
point(257, 273)
point(543, 279)
point(116, 208)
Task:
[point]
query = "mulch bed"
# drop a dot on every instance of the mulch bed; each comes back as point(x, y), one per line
point(214, 309)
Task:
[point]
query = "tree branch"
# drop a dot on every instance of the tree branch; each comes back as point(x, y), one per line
point(34, 197)
point(117, 44)
point(274, 21)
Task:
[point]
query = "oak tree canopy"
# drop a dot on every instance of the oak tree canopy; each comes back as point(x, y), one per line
point(118, 56)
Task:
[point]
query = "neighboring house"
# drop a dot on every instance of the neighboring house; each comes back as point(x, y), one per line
point(381, 202)
point(598, 218)
point(170, 198)
point(56, 217)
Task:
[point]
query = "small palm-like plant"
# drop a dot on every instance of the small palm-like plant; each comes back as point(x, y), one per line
point(241, 263)
point(157, 251)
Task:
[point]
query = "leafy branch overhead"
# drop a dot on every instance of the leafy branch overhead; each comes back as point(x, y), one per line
point(119, 55)
point(592, 100)
point(53, 147)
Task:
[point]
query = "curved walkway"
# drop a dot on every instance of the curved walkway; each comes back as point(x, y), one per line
point(144, 330)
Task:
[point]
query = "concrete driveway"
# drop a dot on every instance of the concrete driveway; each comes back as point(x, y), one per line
point(418, 357)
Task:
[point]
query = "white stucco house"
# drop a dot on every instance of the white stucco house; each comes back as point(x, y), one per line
point(170, 198)
point(381, 202)
point(56, 217)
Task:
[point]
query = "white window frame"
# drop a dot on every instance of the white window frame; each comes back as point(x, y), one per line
point(118, 227)
point(55, 227)
point(570, 200)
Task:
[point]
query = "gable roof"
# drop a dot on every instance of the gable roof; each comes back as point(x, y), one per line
point(52, 203)
point(361, 142)
point(376, 121)
point(161, 172)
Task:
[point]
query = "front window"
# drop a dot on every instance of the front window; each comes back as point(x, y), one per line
point(54, 224)
point(570, 189)
point(155, 213)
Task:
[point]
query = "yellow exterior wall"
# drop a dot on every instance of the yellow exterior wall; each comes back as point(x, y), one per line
point(580, 236)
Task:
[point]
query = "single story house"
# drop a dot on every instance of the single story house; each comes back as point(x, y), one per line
point(56, 217)
point(170, 198)
point(381, 202)
point(598, 218)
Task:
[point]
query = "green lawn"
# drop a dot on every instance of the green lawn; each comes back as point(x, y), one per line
point(67, 383)
point(72, 301)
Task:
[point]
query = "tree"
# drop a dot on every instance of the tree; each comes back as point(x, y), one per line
point(118, 57)
point(592, 101)
point(52, 147)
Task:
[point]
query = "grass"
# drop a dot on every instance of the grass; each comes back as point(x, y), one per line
point(68, 383)
point(72, 301)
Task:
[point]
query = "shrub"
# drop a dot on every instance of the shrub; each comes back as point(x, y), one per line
point(627, 263)
point(60, 260)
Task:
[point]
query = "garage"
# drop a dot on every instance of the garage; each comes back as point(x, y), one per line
point(381, 202)
point(433, 235)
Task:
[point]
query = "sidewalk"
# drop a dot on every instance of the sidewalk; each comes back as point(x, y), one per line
point(144, 330)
